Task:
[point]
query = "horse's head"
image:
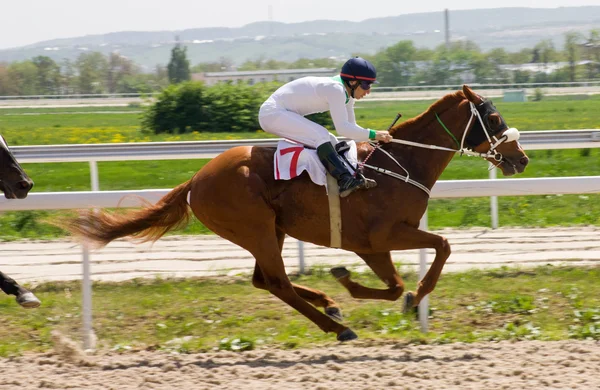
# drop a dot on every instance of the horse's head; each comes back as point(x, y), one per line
point(14, 182)
point(490, 134)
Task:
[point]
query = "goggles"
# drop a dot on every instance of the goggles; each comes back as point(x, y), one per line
point(365, 85)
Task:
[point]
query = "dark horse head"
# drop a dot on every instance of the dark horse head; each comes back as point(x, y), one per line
point(14, 182)
point(491, 134)
point(462, 122)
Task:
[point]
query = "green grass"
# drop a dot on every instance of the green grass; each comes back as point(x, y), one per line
point(80, 126)
point(566, 113)
point(84, 127)
point(229, 313)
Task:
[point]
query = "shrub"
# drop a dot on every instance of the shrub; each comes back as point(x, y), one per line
point(192, 106)
point(322, 118)
point(225, 107)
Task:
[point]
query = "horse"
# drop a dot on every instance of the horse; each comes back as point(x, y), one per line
point(15, 184)
point(236, 196)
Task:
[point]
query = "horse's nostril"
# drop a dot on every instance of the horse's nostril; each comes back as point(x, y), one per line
point(524, 161)
point(25, 184)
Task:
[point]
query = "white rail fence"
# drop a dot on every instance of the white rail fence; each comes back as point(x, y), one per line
point(563, 139)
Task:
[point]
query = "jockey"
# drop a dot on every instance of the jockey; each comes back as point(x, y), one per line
point(283, 114)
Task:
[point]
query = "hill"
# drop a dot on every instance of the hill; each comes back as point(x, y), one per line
point(508, 28)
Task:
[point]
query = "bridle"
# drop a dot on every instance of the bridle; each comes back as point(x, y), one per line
point(3, 145)
point(471, 138)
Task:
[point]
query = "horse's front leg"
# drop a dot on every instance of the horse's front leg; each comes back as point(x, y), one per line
point(25, 297)
point(382, 265)
point(404, 237)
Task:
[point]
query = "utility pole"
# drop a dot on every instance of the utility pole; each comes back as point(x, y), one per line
point(270, 20)
point(447, 27)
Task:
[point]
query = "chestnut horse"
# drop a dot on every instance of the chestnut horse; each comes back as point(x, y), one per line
point(15, 184)
point(236, 196)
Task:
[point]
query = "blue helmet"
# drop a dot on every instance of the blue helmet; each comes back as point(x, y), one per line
point(358, 68)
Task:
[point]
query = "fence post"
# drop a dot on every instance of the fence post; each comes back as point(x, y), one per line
point(424, 304)
point(301, 257)
point(86, 291)
point(86, 281)
point(493, 199)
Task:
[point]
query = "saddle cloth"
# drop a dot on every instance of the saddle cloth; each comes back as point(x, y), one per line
point(291, 159)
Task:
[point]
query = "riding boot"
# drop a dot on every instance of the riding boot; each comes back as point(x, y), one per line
point(337, 168)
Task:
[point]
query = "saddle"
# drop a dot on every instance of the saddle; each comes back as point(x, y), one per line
point(292, 158)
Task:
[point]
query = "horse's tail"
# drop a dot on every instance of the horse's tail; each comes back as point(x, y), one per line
point(147, 224)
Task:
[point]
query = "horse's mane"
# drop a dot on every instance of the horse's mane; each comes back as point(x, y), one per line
point(440, 106)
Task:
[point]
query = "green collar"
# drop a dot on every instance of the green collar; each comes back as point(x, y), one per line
point(339, 79)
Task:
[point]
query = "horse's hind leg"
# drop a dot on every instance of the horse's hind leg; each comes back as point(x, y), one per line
point(312, 296)
point(265, 249)
point(230, 201)
point(315, 297)
point(382, 265)
point(25, 297)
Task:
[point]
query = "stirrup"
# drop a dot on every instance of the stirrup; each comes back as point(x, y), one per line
point(352, 184)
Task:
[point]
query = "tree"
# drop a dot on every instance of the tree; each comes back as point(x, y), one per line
point(546, 52)
point(8, 85)
point(224, 64)
point(395, 65)
point(525, 56)
point(521, 76)
point(91, 68)
point(572, 52)
point(484, 70)
point(593, 53)
point(68, 80)
point(179, 66)
point(48, 75)
point(498, 56)
point(24, 74)
point(119, 67)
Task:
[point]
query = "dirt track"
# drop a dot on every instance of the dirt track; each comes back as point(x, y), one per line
point(358, 365)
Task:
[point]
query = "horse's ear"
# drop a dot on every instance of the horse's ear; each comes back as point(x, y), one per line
point(470, 95)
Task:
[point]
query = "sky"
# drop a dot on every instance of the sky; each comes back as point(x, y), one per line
point(30, 21)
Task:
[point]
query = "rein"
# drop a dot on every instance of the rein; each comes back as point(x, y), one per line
point(509, 135)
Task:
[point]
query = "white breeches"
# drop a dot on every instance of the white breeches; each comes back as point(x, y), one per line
point(287, 124)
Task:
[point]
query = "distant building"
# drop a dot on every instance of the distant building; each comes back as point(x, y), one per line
point(539, 67)
point(252, 77)
point(591, 47)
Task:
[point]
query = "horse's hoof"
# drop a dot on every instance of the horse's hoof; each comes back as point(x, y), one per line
point(409, 302)
point(28, 300)
point(340, 272)
point(334, 313)
point(347, 335)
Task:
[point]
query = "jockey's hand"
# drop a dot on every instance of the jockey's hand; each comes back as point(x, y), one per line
point(383, 136)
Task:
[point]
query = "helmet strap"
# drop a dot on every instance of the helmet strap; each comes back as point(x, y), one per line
point(352, 88)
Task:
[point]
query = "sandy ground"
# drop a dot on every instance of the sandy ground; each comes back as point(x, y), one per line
point(362, 364)
point(357, 365)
